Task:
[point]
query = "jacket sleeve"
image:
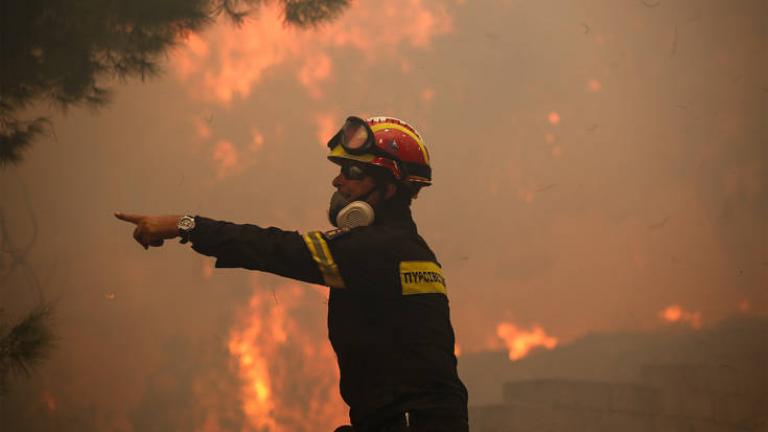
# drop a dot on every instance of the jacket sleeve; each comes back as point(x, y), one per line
point(272, 250)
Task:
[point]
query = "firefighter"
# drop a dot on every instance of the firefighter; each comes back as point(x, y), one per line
point(388, 314)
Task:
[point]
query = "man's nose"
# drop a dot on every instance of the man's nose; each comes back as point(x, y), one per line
point(337, 181)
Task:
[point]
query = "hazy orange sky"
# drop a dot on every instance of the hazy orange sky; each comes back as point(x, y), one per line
point(594, 162)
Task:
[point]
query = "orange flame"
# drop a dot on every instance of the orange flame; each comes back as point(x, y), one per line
point(225, 156)
point(676, 314)
point(228, 159)
point(553, 117)
point(49, 401)
point(317, 68)
point(276, 358)
point(744, 306)
point(520, 342)
point(227, 61)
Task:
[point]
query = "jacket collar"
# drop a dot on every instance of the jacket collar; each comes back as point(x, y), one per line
point(394, 214)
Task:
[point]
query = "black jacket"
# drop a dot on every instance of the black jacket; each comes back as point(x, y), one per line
point(388, 316)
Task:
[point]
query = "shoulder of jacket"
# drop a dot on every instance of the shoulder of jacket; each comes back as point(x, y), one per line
point(362, 233)
point(336, 233)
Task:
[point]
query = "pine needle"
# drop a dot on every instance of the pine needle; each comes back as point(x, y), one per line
point(27, 343)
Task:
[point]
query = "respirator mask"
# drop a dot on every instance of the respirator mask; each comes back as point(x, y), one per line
point(350, 213)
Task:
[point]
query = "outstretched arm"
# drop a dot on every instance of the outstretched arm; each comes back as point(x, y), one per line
point(234, 245)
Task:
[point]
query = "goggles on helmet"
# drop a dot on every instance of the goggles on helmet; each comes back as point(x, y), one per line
point(357, 138)
point(352, 171)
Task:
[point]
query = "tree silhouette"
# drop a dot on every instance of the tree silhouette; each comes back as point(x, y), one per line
point(61, 52)
point(25, 344)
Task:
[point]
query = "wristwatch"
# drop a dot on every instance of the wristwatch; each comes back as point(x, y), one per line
point(185, 225)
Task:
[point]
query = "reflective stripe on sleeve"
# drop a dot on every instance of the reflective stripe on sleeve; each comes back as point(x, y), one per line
point(318, 247)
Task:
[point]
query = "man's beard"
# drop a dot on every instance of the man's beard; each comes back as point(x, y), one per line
point(338, 202)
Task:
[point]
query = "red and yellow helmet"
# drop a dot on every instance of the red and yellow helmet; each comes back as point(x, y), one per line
point(385, 142)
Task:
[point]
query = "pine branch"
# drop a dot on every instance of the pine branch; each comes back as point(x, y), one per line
point(26, 344)
point(62, 51)
point(310, 13)
point(233, 10)
point(16, 136)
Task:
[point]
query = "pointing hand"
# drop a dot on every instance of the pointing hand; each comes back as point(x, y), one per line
point(152, 230)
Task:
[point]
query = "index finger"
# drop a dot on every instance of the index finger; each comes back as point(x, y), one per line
point(132, 218)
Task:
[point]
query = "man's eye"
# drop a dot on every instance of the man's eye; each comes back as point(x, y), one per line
point(353, 172)
point(356, 172)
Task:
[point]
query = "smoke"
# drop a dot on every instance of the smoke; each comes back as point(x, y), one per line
point(594, 164)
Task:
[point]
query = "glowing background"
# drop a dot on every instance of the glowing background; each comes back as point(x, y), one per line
point(600, 166)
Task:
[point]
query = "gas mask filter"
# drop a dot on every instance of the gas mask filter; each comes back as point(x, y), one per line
point(344, 213)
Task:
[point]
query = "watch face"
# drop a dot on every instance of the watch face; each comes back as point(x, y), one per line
point(186, 223)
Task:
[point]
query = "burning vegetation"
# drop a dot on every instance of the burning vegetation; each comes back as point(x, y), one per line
point(287, 371)
point(519, 341)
